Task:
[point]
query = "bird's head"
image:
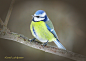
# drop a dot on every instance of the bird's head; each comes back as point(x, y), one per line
point(40, 15)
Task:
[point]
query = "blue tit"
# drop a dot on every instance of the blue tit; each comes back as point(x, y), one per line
point(42, 29)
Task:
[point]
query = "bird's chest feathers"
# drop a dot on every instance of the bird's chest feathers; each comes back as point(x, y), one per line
point(41, 32)
point(39, 26)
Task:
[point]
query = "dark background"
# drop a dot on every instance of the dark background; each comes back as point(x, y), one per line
point(67, 16)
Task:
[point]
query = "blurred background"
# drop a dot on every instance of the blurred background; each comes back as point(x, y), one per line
point(67, 16)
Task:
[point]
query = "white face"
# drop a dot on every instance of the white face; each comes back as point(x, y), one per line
point(41, 17)
point(38, 19)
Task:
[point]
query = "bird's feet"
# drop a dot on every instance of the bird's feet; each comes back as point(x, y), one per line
point(45, 44)
point(32, 39)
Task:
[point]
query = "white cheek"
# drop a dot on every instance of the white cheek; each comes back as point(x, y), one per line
point(38, 19)
point(42, 15)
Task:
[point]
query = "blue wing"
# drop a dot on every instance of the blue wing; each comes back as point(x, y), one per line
point(52, 31)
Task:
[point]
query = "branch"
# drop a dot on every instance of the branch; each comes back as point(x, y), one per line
point(1, 22)
point(9, 13)
point(7, 18)
point(50, 49)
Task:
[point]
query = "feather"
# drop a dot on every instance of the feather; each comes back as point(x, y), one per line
point(59, 44)
point(51, 28)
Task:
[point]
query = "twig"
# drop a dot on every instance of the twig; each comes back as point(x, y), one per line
point(50, 49)
point(7, 18)
point(9, 13)
point(1, 22)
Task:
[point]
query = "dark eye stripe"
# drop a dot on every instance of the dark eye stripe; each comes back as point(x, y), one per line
point(37, 16)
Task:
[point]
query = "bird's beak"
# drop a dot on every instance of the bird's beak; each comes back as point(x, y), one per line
point(32, 15)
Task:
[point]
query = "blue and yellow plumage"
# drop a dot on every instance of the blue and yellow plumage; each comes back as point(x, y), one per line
point(43, 30)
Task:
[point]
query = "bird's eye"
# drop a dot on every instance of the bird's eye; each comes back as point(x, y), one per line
point(37, 16)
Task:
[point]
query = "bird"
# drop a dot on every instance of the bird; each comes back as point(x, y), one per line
point(42, 29)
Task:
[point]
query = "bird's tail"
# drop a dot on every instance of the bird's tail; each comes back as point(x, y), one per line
point(59, 44)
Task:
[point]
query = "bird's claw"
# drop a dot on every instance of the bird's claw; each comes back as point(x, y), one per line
point(45, 44)
point(32, 39)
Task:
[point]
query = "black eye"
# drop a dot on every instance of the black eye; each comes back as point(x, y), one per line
point(37, 16)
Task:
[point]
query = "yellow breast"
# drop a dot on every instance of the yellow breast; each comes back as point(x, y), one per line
point(42, 31)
